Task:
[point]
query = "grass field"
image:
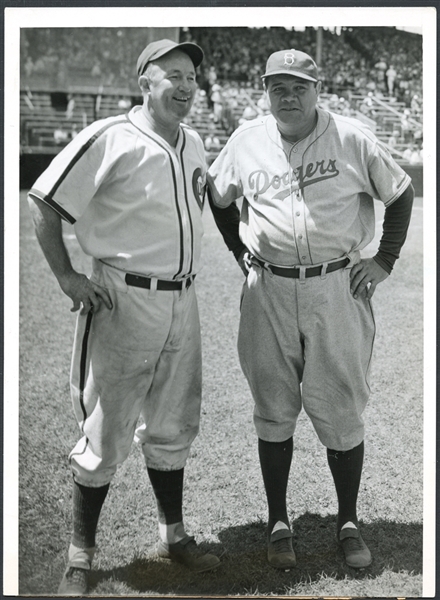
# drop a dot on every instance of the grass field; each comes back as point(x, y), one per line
point(224, 501)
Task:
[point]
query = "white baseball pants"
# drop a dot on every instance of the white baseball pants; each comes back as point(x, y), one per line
point(142, 359)
point(306, 343)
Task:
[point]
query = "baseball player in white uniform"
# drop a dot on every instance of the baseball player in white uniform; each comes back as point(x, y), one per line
point(307, 179)
point(132, 186)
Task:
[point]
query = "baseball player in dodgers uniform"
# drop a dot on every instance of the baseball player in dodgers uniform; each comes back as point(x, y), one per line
point(307, 178)
point(132, 187)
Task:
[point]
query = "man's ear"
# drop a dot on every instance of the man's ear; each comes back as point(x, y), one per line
point(318, 88)
point(143, 83)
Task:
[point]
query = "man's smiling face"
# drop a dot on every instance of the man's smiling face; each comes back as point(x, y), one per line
point(172, 87)
point(292, 100)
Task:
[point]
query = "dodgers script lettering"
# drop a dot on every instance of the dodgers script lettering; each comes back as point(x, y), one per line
point(260, 180)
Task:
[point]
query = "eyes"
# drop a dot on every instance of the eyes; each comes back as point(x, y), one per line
point(179, 76)
point(298, 90)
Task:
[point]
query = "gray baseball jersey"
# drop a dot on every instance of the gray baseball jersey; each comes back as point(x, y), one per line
point(308, 202)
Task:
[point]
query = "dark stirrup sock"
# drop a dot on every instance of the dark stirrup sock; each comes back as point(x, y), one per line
point(275, 461)
point(87, 504)
point(346, 469)
point(168, 490)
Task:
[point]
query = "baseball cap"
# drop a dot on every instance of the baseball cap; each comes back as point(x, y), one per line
point(161, 47)
point(291, 62)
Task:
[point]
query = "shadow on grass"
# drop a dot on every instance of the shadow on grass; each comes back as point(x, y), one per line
point(244, 571)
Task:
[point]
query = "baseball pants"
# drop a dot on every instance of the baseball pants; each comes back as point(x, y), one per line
point(306, 343)
point(142, 358)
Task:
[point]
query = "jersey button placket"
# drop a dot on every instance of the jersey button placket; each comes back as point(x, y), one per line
point(298, 214)
point(299, 217)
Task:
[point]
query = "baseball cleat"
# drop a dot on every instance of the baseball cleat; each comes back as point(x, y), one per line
point(357, 554)
point(280, 552)
point(187, 553)
point(74, 582)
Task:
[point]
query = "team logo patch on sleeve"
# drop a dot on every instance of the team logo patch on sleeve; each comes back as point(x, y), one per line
point(198, 187)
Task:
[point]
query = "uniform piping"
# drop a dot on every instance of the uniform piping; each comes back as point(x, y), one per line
point(82, 379)
point(173, 172)
point(83, 365)
point(81, 152)
point(187, 204)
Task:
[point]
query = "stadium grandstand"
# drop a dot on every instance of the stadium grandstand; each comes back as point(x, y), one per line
point(72, 76)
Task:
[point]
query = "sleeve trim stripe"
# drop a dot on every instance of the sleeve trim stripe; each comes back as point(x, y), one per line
point(82, 151)
point(51, 202)
point(404, 184)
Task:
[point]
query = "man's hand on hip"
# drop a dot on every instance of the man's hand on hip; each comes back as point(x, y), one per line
point(84, 293)
point(244, 261)
point(365, 276)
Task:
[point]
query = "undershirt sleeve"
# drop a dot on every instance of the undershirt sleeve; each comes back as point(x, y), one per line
point(228, 221)
point(395, 228)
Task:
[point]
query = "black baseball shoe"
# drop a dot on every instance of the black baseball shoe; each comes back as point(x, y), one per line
point(187, 553)
point(74, 582)
point(280, 552)
point(357, 554)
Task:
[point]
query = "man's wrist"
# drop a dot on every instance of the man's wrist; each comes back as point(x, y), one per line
point(65, 277)
point(238, 251)
point(384, 261)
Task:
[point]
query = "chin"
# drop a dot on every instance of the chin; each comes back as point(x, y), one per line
point(183, 110)
point(291, 118)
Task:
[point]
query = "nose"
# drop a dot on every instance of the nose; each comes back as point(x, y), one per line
point(290, 95)
point(185, 85)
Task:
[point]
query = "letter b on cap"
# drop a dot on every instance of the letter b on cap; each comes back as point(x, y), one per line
point(289, 59)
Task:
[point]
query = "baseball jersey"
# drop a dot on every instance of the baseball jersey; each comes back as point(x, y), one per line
point(135, 201)
point(306, 202)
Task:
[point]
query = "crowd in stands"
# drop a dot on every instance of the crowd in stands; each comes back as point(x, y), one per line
point(105, 56)
point(355, 62)
point(360, 59)
point(240, 53)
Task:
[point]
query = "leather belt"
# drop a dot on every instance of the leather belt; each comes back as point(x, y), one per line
point(294, 272)
point(145, 282)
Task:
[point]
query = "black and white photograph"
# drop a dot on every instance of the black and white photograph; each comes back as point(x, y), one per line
point(220, 319)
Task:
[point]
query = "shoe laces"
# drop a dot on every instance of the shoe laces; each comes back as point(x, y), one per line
point(353, 544)
point(282, 546)
point(192, 548)
point(76, 575)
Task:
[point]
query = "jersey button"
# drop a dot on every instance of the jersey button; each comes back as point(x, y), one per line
point(255, 196)
point(298, 214)
point(300, 237)
point(304, 257)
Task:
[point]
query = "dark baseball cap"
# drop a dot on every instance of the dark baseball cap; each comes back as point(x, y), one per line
point(161, 47)
point(292, 62)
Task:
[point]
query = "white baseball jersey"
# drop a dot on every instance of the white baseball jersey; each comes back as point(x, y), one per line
point(308, 202)
point(135, 201)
